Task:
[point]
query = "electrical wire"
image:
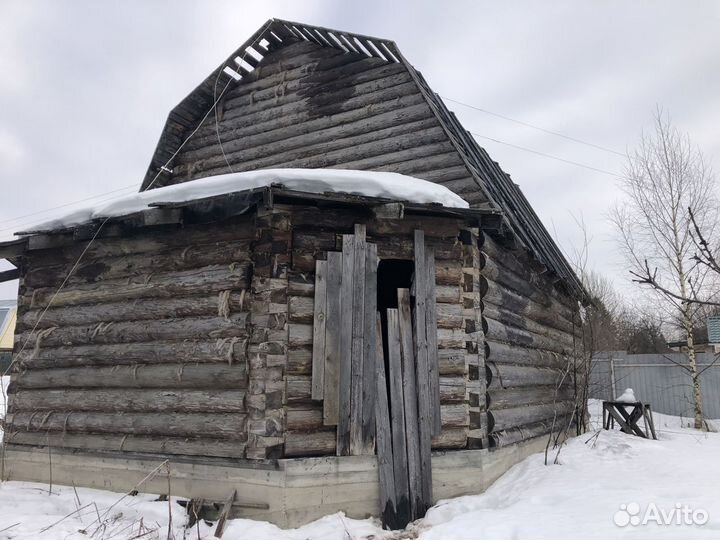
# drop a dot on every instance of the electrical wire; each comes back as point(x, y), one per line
point(538, 128)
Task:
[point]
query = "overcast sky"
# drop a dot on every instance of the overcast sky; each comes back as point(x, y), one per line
point(85, 87)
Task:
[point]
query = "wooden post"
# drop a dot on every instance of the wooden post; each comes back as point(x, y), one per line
point(358, 340)
point(432, 344)
point(410, 398)
point(346, 334)
point(333, 352)
point(422, 371)
point(319, 318)
point(370, 358)
point(397, 419)
point(386, 475)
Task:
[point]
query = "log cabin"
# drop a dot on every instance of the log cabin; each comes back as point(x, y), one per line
point(310, 350)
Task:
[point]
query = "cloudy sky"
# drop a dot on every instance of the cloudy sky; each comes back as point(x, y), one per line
point(85, 87)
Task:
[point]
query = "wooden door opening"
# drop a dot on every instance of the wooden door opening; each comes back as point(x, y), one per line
point(392, 274)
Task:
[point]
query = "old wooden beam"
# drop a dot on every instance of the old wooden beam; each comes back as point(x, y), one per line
point(333, 352)
point(319, 321)
point(9, 275)
point(346, 341)
point(397, 418)
point(358, 341)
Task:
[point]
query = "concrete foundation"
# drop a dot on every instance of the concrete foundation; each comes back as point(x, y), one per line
point(295, 491)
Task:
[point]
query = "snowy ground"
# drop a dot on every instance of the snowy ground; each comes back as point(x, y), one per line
point(580, 497)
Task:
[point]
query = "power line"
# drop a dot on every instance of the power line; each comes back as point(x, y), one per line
point(527, 124)
point(550, 156)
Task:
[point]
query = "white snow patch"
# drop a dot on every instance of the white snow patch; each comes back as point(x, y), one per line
point(598, 472)
point(628, 396)
point(368, 183)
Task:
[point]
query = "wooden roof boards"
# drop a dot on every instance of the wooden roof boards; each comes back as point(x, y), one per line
point(353, 110)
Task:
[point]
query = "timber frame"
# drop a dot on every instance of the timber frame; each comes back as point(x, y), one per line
point(314, 352)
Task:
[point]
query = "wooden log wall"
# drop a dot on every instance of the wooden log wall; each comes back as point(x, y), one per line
point(317, 232)
point(307, 106)
point(145, 348)
point(528, 329)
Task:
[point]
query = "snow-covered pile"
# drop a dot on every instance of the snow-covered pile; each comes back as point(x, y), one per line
point(628, 396)
point(601, 476)
point(368, 183)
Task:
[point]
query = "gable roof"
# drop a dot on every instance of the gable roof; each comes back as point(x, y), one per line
point(492, 187)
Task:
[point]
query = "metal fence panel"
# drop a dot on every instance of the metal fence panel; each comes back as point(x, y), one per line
point(657, 379)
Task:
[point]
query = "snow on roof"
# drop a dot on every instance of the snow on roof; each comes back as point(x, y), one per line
point(367, 183)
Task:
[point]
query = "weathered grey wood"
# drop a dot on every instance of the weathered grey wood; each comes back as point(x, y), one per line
point(512, 303)
point(389, 98)
point(316, 443)
point(134, 264)
point(502, 439)
point(425, 414)
point(337, 139)
point(451, 438)
point(452, 389)
point(432, 341)
point(201, 446)
point(509, 376)
point(12, 248)
point(318, 373)
point(498, 398)
point(304, 417)
point(503, 419)
point(222, 426)
point(505, 353)
point(410, 399)
point(370, 358)
point(177, 376)
point(383, 436)
point(200, 281)
point(523, 322)
point(346, 343)
point(497, 331)
point(9, 275)
point(234, 326)
point(358, 341)
point(160, 308)
point(397, 412)
point(333, 353)
point(224, 514)
point(130, 400)
point(238, 229)
point(227, 351)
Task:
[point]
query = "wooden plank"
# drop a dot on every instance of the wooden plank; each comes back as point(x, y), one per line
point(190, 376)
point(215, 425)
point(319, 318)
point(383, 436)
point(422, 372)
point(397, 417)
point(9, 275)
point(346, 333)
point(409, 392)
point(370, 358)
point(114, 442)
point(432, 342)
point(220, 529)
point(129, 400)
point(358, 342)
point(331, 401)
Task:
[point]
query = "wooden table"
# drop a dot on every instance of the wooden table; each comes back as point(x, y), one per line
point(627, 416)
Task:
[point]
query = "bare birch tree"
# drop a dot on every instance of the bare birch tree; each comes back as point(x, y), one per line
point(667, 182)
